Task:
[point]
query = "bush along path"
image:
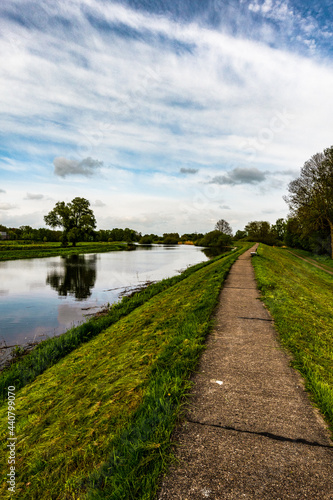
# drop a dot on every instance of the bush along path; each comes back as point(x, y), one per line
point(97, 424)
point(250, 430)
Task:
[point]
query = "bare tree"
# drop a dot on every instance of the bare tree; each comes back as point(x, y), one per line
point(224, 227)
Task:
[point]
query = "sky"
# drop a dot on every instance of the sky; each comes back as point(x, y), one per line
point(166, 115)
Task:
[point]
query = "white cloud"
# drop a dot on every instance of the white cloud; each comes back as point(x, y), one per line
point(273, 9)
point(141, 115)
point(7, 206)
point(142, 106)
point(99, 203)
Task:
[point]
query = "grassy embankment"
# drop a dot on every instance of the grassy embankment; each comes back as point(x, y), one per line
point(98, 423)
point(14, 250)
point(322, 260)
point(299, 297)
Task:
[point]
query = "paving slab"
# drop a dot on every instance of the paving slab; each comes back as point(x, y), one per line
point(250, 430)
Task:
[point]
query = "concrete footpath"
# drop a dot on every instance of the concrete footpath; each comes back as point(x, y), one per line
point(250, 431)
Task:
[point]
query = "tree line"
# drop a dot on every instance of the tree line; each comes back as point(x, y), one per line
point(309, 224)
point(310, 202)
point(29, 235)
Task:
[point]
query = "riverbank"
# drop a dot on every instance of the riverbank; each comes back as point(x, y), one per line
point(13, 251)
point(115, 399)
point(10, 354)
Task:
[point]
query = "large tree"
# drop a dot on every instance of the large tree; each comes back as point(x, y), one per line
point(224, 227)
point(311, 194)
point(76, 219)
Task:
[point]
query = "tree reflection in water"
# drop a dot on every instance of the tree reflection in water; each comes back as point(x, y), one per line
point(211, 252)
point(77, 277)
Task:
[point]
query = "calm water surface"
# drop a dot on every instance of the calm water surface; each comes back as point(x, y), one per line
point(45, 297)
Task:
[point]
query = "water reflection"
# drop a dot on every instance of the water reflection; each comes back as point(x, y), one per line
point(146, 246)
point(215, 251)
point(47, 296)
point(76, 276)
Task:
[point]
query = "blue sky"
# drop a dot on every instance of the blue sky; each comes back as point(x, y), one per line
point(165, 115)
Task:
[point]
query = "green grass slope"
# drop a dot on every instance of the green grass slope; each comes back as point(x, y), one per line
point(299, 297)
point(50, 351)
point(98, 423)
point(322, 260)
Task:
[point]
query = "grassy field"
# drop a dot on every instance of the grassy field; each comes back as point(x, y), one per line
point(299, 297)
point(14, 250)
point(98, 423)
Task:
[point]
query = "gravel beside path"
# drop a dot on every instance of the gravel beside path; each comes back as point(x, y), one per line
point(250, 432)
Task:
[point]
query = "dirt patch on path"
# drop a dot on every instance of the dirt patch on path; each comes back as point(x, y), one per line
point(250, 432)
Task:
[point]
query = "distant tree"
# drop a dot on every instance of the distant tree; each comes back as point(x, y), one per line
point(76, 219)
point(12, 235)
point(240, 235)
point(191, 237)
point(257, 229)
point(224, 227)
point(27, 233)
point(118, 234)
point(171, 238)
point(215, 239)
point(102, 235)
point(311, 194)
point(131, 235)
point(260, 231)
point(279, 229)
point(146, 239)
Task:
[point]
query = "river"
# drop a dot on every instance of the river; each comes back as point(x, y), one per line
point(44, 297)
